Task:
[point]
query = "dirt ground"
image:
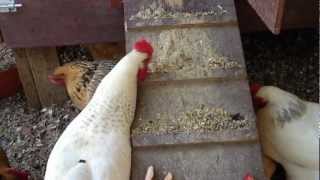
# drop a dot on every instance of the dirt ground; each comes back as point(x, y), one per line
point(290, 61)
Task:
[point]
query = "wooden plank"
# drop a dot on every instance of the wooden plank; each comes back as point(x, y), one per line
point(230, 161)
point(197, 80)
point(53, 23)
point(26, 78)
point(292, 16)
point(42, 62)
point(105, 51)
point(271, 12)
point(193, 53)
point(149, 13)
point(172, 110)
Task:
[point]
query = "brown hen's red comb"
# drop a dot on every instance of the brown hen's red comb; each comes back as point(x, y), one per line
point(254, 88)
point(143, 46)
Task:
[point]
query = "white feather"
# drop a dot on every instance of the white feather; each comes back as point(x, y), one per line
point(293, 143)
point(100, 134)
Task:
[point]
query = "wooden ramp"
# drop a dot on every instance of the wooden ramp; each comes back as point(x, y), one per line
point(194, 113)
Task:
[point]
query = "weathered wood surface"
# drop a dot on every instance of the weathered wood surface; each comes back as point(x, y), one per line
point(164, 12)
point(194, 53)
point(214, 161)
point(166, 102)
point(105, 51)
point(75, 23)
point(193, 65)
point(301, 14)
point(34, 65)
point(64, 22)
point(271, 12)
point(42, 62)
point(292, 17)
point(26, 77)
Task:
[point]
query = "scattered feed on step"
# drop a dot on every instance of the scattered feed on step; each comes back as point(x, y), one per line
point(189, 53)
point(199, 119)
point(159, 11)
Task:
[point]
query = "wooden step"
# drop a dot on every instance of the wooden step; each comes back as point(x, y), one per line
point(194, 114)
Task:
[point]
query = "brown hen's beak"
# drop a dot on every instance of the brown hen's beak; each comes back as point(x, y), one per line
point(57, 79)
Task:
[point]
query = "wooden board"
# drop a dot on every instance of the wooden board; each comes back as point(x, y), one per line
point(292, 18)
point(271, 12)
point(163, 104)
point(26, 77)
point(194, 53)
point(160, 13)
point(230, 161)
point(42, 62)
point(103, 51)
point(198, 62)
point(34, 65)
point(52, 23)
point(63, 22)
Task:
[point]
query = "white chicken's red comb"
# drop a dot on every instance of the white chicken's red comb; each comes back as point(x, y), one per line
point(254, 88)
point(143, 46)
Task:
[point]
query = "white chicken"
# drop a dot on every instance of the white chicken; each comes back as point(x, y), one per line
point(289, 131)
point(96, 144)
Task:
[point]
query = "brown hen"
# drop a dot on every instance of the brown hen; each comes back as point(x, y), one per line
point(81, 79)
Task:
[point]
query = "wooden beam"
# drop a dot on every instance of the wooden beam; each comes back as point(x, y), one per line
point(42, 62)
point(105, 51)
point(26, 78)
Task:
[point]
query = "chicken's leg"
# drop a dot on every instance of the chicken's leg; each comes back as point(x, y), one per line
point(150, 174)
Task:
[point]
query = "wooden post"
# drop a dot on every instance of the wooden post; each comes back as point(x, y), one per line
point(26, 78)
point(34, 66)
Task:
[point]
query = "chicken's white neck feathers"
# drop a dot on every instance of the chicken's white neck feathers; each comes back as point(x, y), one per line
point(112, 105)
point(285, 106)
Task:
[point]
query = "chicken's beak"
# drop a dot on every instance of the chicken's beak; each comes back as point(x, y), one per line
point(57, 79)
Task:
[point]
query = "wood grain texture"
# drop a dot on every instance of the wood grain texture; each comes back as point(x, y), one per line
point(221, 161)
point(149, 13)
point(75, 23)
point(166, 102)
point(42, 62)
point(271, 12)
point(103, 51)
point(249, 21)
point(55, 23)
point(193, 65)
point(193, 53)
point(26, 77)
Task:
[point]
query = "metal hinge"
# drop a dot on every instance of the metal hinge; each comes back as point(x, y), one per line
point(7, 6)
